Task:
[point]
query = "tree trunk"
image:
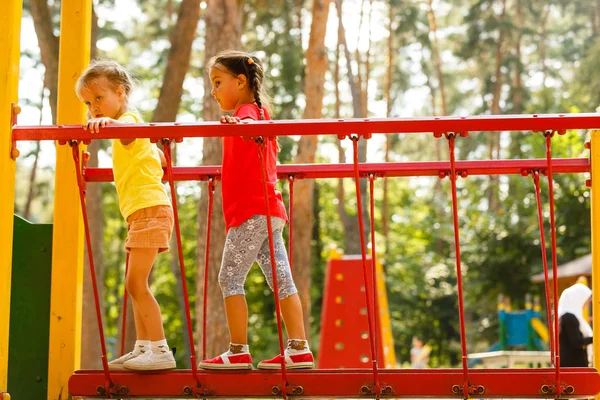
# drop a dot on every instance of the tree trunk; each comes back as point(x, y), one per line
point(500, 53)
point(90, 347)
point(494, 142)
point(223, 31)
point(387, 95)
point(298, 7)
point(517, 81)
point(435, 55)
point(544, 34)
point(32, 192)
point(597, 24)
point(48, 44)
point(439, 73)
point(351, 228)
point(360, 85)
point(178, 61)
point(93, 47)
point(314, 88)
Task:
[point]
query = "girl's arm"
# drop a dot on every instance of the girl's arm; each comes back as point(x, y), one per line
point(163, 160)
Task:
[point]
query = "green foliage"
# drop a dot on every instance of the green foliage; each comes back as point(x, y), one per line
point(273, 33)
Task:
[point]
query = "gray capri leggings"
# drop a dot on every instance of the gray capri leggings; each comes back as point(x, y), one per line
point(247, 243)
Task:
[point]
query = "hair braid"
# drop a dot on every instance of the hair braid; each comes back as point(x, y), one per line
point(258, 101)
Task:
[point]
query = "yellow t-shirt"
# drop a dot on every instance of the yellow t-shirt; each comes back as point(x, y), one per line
point(138, 172)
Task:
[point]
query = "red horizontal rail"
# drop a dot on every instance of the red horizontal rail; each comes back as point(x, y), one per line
point(542, 122)
point(433, 168)
point(346, 383)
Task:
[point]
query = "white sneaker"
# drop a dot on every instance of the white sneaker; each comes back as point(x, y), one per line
point(152, 361)
point(118, 364)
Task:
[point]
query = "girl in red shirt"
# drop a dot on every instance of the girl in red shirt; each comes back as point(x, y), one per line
point(237, 81)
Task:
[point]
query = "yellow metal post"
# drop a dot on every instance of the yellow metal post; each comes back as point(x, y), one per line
point(67, 246)
point(385, 324)
point(10, 20)
point(595, 221)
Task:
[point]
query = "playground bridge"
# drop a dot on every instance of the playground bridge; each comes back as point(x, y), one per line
point(376, 382)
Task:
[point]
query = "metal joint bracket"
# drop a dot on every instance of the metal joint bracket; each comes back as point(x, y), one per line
point(15, 109)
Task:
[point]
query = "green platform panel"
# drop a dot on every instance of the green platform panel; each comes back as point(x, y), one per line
point(30, 311)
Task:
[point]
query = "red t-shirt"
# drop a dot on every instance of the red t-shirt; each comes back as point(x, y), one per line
point(242, 185)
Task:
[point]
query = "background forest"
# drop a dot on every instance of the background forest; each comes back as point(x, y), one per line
point(398, 58)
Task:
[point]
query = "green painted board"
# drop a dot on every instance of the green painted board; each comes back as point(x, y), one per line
point(30, 310)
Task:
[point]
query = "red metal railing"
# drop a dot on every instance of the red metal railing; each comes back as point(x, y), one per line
point(407, 169)
point(368, 126)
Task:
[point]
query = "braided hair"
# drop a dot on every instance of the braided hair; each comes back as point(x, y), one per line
point(239, 62)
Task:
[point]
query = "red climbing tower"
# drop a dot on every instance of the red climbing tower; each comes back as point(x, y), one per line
point(344, 325)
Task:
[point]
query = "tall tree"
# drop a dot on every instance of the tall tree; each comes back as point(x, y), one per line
point(36, 153)
point(495, 144)
point(314, 90)
point(387, 95)
point(436, 58)
point(223, 20)
point(48, 43)
point(178, 61)
point(517, 84)
point(352, 240)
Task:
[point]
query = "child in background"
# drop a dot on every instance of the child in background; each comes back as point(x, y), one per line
point(419, 354)
point(237, 81)
point(574, 332)
point(137, 166)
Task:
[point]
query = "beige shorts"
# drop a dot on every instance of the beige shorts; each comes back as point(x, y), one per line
point(150, 227)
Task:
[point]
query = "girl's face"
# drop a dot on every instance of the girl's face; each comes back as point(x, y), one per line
point(229, 91)
point(102, 100)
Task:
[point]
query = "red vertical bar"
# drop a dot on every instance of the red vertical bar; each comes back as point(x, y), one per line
point(548, 135)
point(461, 310)
point(536, 182)
point(211, 193)
point(361, 229)
point(81, 184)
point(167, 151)
point(291, 181)
point(124, 311)
point(263, 170)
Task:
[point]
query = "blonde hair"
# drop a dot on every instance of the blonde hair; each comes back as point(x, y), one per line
point(115, 74)
point(242, 63)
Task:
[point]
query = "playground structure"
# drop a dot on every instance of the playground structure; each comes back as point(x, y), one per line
point(68, 228)
point(344, 327)
point(521, 328)
point(523, 337)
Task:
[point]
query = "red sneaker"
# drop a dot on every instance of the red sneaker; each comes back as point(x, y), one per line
point(292, 361)
point(228, 360)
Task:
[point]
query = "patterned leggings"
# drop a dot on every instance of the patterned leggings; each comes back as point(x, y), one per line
point(247, 243)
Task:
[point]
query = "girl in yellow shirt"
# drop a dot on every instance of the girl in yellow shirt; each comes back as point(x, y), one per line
point(137, 166)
